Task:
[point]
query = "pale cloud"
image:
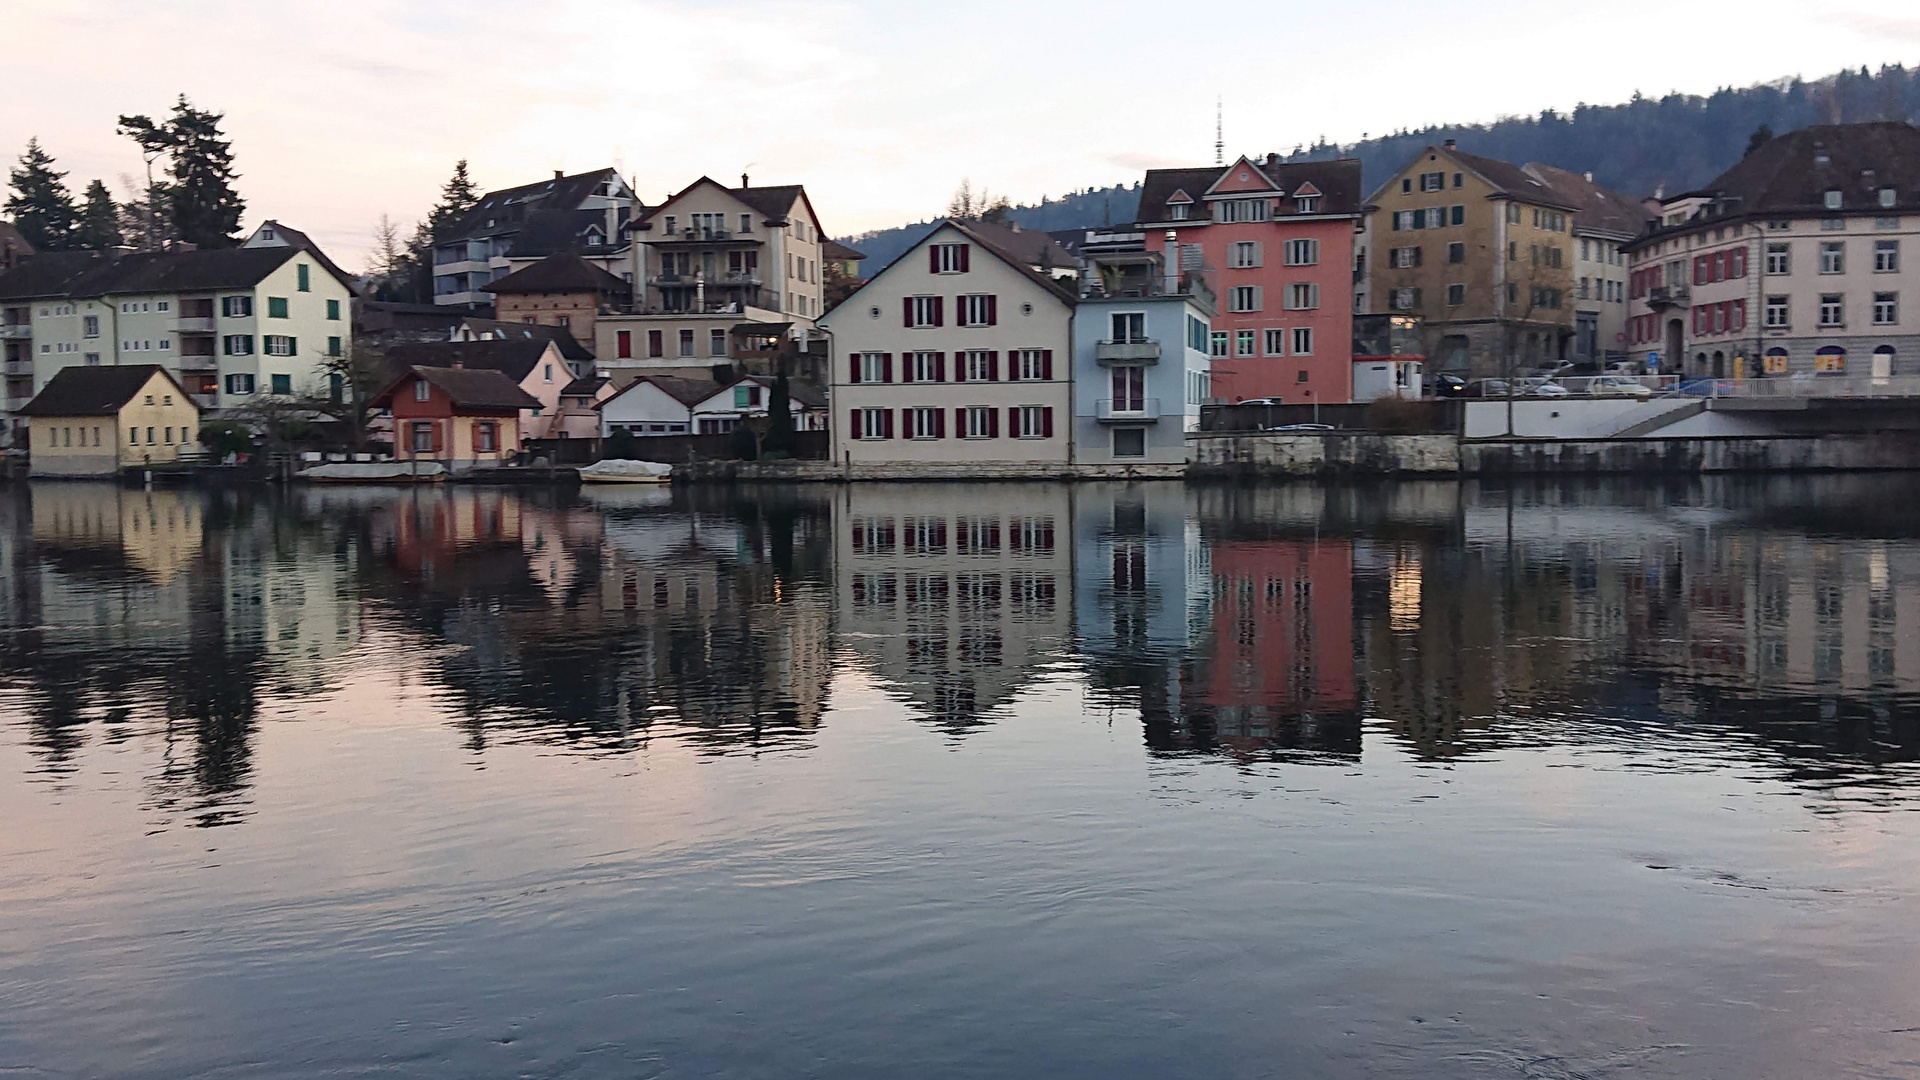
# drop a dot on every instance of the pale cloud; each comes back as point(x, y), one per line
point(346, 110)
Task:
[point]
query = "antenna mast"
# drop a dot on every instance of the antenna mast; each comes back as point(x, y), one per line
point(1219, 143)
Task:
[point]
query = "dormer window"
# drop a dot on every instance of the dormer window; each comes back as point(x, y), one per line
point(1833, 200)
point(1887, 196)
point(1306, 204)
point(1177, 212)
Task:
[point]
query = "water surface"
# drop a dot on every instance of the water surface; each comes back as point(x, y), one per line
point(954, 781)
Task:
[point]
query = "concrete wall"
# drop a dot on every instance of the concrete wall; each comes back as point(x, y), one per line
point(1324, 454)
point(1671, 456)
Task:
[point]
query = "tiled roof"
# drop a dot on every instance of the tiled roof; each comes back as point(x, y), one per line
point(94, 391)
point(570, 347)
point(1338, 182)
point(514, 358)
point(769, 202)
point(685, 391)
point(1011, 259)
point(834, 249)
point(467, 388)
point(1596, 209)
point(85, 274)
point(586, 387)
point(509, 208)
point(558, 274)
point(1034, 246)
point(1795, 171)
point(46, 274)
point(1512, 179)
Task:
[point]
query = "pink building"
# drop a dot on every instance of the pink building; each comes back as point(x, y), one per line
point(1280, 237)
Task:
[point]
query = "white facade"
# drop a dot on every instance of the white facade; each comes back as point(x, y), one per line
point(952, 356)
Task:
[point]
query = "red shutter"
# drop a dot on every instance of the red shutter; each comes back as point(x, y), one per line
point(626, 344)
point(939, 423)
point(1046, 421)
point(993, 309)
point(993, 366)
point(906, 367)
point(960, 313)
point(853, 428)
point(933, 258)
point(887, 423)
point(1046, 364)
point(853, 367)
point(886, 367)
point(993, 423)
point(939, 315)
point(906, 311)
point(965, 249)
point(1013, 422)
point(939, 367)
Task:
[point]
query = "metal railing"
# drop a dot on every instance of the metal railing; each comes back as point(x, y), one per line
point(1126, 351)
point(194, 324)
point(1803, 385)
point(16, 331)
point(1127, 408)
point(1667, 295)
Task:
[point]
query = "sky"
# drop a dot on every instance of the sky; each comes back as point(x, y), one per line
point(343, 111)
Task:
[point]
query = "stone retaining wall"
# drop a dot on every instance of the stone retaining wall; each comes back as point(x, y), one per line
point(1325, 454)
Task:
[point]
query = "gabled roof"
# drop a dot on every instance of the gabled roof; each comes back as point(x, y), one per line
point(771, 203)
point(1337, 182)
point(86, 275)
point(688, 392)
point(286, 236)
point(508, 208)
point(569, 346)
point(1597, 209)
point(1035, 246)
point(46, 274)
point(1230, 180)
point(1507, 178)
point(96, 391)
point(467, 388)
point(559, 274)
point(12, 244)
point(586, 387)
point(1047, 284)
point(514, 358)
point(839, 252)
point(550, 232)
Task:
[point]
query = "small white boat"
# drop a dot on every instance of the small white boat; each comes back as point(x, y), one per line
point(622, 471)
point(375, 472)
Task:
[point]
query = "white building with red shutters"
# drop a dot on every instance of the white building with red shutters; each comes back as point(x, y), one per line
point(957, 353)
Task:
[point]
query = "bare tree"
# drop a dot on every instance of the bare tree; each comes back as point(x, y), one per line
point(389, 253)
point(968, 204)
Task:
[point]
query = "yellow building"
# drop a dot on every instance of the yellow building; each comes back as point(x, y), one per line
point(95, 421)
point(1481, 250)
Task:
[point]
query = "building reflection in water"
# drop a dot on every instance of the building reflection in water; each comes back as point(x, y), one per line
point(1277, 623)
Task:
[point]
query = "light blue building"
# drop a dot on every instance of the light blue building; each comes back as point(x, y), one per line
point(1140, 357)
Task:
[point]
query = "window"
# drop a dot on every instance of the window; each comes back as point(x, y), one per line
point(1433, 181)
point(976, 309)
point(422, 437)
point(164, 305)
point(1886, 256)
point(1276, 341)
point(486, 437)
point(1129, 442)
point(656, 343)
point(1404, 258)
point(949, 258)
point(1237, 210)
point(1833, 310)
point(670, 225)
point(1888, 196)
point(1833, 224)
point(1778, 259)
point(873, 367)
point(1833, 200)
point(1243, 342)
point(238, 344)
point(1546, 298)
point(236, 307)
point(922, 312)
point(1302, 341)
point(421, 390)
point(923, 367)
point(1406, 185)
point(1303, 297)
point(279, 345)
point(1456, 295)
point(90, 326)
point(1513, 213)
point(239, 383)
point(976, 365)
point(1833, 257)
point(1243, 298)
point(1456, 253)
point(1032, 421)
point(717, 342)
point(1303, 253)
point(283, 384)
point(980, 422)
point(1775, 314)
point(1407, 299)
point(746, 396)
point(1217, 344)
point(926, 423)
point(1030, 365)
point(1830, 360)
point(1306, 204)
point(1128, 327)
point(276, 307)
point(686, 343)
point(746, 223)
point(301, 272)
point(1886, 308)
point(1243, 254)
point(1177, 212)
point(873, 423)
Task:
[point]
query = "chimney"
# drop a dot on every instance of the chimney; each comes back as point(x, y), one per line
point(1589, 177)
point(1173, 262)
point(1451, 145)
point(743, 181)
point(559, 174)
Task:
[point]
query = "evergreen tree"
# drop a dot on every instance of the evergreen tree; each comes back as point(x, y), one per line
point(779, 439)
point(99, 220)
point(1761, 136)
point(199, 195)
point(41, 206)
point(456, 198)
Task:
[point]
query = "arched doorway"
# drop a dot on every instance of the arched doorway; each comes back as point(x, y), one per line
point(1830, 360)
point(1776, 362)
point(1882, 364)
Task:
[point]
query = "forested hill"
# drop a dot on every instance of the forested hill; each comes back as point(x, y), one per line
point(1675, 142)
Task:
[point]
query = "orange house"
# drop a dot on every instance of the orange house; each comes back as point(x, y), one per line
point(465, 419)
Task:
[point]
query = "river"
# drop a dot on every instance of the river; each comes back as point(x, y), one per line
point(1424, 780)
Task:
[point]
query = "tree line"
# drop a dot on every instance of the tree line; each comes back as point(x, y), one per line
point(402, 270)
point(192, 199)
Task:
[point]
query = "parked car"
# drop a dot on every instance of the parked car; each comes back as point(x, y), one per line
point(1261, 401)
point(1549, 389)
point(1619, 386)
point(1301, 427)
point(1487, 388)
point(1444, 386)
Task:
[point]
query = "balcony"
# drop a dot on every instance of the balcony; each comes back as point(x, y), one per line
point(1126, 410)
point(206, 362)
point(19, 367)
point(703, 236)
point(1667, 296)
point(15, 331)
point(1127, 352)
point(675, 280)
point(187, 325)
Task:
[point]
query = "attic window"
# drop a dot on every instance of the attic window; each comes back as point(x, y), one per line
point(1177, 212)
point(1306, 204)
point(1887, 196)
point(1833, 200)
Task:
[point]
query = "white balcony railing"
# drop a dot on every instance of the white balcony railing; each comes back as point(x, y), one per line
point(1127, 352)
point(189, 325)
point(1117, 410)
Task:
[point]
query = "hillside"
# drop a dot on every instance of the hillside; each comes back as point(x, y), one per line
point(1670, 143)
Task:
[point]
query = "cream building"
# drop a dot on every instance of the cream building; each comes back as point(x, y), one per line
point(97, 421)
point(954, 354)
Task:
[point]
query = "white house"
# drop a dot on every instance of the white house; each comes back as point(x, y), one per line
point(665, 405)
point(956, 353)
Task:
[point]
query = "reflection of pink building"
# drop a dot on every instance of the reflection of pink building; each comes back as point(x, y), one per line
point(1283, 633)
point(1280, 237)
